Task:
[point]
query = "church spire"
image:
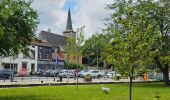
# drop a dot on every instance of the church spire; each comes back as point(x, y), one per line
point(69, 22)
point(69, 32)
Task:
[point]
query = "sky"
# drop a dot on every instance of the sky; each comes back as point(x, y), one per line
point(88, 13)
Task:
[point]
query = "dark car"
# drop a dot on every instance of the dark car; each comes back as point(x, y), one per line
point(5, 74)
point(54, 72)
point(39, 73)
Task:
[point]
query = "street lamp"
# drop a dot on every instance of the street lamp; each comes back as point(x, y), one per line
point(67, 63)
point(97, 60)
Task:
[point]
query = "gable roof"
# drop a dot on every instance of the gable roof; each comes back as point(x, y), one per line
point(54, 39)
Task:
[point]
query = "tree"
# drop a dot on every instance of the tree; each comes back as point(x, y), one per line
point(133, 39)
point(18, 22)
point(94, 47)
point(74, 45)
point(160, 12)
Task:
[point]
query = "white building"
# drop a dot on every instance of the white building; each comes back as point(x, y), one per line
point(21, 61)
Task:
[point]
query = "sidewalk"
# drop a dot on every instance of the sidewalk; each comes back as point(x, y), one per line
point(41, 81)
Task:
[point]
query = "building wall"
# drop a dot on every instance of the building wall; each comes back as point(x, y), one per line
point(20, 60)
point(61, 54)
point(44, 62)
point(73, 59)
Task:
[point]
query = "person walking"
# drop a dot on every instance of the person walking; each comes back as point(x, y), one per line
point(60, 77)
point(75, 73)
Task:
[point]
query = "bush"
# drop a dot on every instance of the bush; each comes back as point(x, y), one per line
point(116, 77)
point(87, 78)
point(73, 66)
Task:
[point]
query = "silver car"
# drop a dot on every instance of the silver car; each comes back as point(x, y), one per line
point(68, 73)
point(112, 74)
point(54, 72)
point(93, 73)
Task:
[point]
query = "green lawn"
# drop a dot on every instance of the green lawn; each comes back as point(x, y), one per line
point(145, 91)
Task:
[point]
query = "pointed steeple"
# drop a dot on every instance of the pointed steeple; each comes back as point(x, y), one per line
point(69, 22)
point(69, 32)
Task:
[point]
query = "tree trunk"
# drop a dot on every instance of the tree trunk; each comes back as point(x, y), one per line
point(164, 70)
point(166, 74)
point(130, 88)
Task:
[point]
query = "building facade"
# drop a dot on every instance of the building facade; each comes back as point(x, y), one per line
point(44, 55)
point(59, 44)
point(21, 61)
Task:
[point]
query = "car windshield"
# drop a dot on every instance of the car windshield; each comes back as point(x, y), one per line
point(82, 71)
point(70, 71)
point(95, 71)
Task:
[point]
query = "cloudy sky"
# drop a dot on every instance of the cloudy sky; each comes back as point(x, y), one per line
point(53, 14)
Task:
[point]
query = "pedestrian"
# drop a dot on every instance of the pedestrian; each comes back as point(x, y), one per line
point(75, 73)
point(60, 76)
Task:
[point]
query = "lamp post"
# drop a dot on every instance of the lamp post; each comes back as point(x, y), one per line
point(67, 62)
point(97, 60)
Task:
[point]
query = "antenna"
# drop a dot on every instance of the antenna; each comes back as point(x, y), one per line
point(68, 3)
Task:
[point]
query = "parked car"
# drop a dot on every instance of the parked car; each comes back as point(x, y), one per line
point(68, 73)
point(93, 73)
point(5, 74)
point(81, 72)
point(43, 72)
point(54, 72)
point(112, 74)
point(39, 73)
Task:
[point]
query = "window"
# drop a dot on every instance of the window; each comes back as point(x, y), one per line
point(32, 67)
point(14, 67)
point(47, 55)
point(32, 54)
point(24, 65)
point(95, 72)
point(40, 55)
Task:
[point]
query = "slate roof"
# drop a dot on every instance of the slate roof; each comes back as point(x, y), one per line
point(54, 39)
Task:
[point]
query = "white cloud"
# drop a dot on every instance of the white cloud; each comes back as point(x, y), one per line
point(51, 15)
point(90, 13)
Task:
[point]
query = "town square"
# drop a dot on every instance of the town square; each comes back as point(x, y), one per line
point(84, 49)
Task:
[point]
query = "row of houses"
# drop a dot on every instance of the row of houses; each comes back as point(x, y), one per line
point(46, 52)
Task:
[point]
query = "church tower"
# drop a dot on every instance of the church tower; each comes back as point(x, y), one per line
point(69, 32)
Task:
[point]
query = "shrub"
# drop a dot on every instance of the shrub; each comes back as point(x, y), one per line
point(73, 66)
point(88, 78)
point(116, 77)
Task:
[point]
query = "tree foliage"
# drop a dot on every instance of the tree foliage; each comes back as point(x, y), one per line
point(74, 45)
point(94, 47)
point(18, 22)
point(141, 34)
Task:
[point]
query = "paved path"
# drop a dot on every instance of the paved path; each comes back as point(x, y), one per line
point(50, 80)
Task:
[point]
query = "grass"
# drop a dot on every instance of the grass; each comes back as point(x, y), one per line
point(141, 91)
